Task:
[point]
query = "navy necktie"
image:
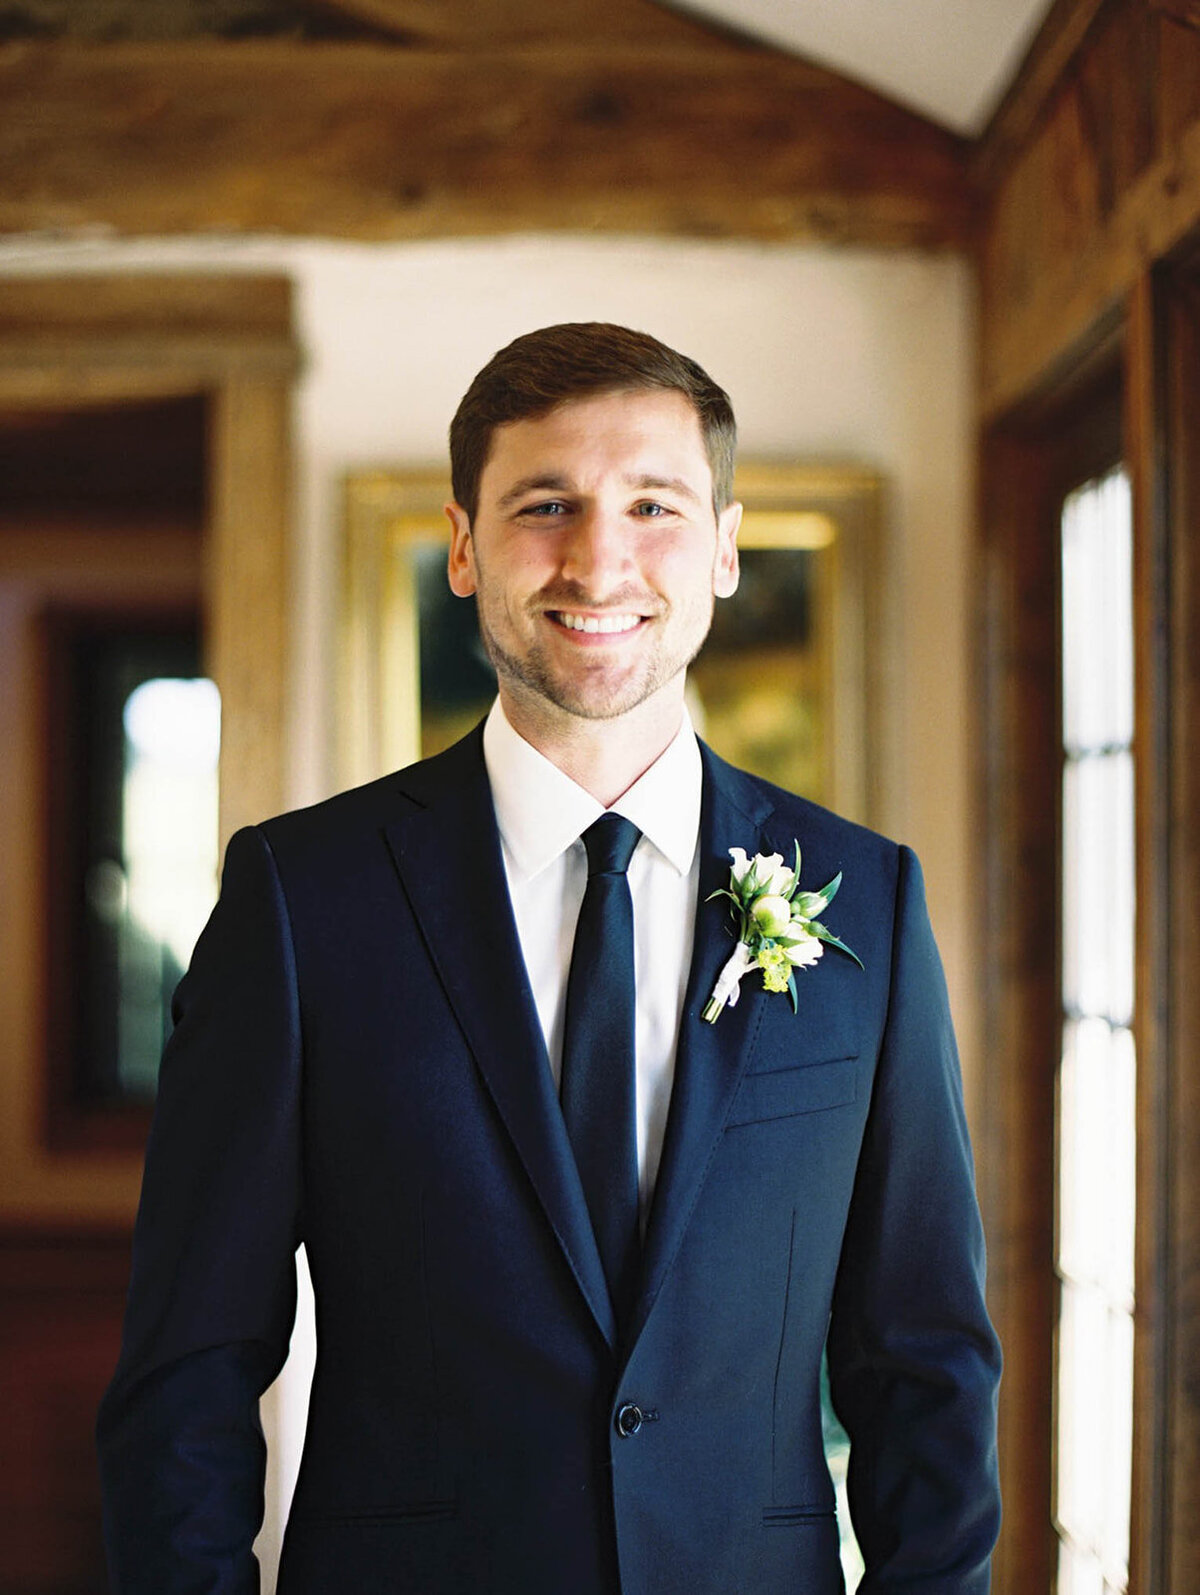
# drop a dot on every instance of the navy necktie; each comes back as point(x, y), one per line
point(598, 1079)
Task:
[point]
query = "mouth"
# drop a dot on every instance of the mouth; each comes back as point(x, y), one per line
point(612, 624)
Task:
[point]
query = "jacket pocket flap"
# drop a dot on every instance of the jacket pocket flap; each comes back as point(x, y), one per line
point(784, 1092)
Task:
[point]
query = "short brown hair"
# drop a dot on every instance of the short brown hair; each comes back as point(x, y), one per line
point(577, 359)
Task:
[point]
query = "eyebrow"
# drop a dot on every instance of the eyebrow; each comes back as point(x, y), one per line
point(550, 483)
point(674, 484)
point(534, 484)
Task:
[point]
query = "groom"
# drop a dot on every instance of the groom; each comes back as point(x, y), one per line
point(576, 1251)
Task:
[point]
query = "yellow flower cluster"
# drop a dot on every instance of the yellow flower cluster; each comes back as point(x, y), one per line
point(776, 967)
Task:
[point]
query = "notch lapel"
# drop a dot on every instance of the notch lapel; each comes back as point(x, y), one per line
point(447, 852)
point(709, 1059)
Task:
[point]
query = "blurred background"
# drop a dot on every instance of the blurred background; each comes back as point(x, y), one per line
point(944, 259)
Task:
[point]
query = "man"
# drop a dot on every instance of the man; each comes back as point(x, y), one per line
point(576, 1252)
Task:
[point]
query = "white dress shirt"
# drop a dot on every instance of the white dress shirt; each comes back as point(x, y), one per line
point(541, 814)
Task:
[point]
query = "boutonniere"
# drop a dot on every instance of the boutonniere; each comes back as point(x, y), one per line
point(777, 926)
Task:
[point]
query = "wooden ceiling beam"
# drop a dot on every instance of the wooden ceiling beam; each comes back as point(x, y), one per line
point(377, 142)
point(508, 24)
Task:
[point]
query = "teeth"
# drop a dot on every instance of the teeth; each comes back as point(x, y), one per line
point(598, 622)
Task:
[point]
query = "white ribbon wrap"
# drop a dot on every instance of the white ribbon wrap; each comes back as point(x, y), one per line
point(726, 989)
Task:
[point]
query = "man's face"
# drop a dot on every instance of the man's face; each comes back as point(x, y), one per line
point(595, 553)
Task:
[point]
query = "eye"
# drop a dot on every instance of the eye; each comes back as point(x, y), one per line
point(545, 509)
point(651, 509)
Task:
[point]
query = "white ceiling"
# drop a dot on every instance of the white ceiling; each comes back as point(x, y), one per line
point(949, 59)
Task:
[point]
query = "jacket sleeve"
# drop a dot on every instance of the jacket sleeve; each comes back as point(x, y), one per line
point(914, 1363)
point(212, 1296)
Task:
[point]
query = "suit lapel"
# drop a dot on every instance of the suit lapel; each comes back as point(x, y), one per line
point(709, 1059)
point(447, 851)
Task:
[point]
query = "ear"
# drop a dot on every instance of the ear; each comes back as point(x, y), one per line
point(725, 566)
point(460, 563)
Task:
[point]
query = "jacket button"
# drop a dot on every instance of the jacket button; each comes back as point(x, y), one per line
point(629, 1419)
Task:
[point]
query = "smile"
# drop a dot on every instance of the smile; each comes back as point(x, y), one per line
point(608, 623)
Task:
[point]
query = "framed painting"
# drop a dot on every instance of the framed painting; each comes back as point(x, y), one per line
point(787, 684)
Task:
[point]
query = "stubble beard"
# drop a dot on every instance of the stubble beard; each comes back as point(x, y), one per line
point(532, 673)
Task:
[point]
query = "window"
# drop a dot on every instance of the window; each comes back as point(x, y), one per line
point(134, 738)
point(1096, 1121)
point(1090, 708)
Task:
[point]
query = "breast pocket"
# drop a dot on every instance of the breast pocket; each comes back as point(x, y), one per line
point(805, 1088)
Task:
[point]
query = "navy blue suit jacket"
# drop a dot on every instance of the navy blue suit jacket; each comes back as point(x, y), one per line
point(357, 1064)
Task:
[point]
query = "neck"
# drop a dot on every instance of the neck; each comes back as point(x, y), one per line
point(604, 757)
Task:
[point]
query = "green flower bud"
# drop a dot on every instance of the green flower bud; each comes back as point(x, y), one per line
point(771, 914)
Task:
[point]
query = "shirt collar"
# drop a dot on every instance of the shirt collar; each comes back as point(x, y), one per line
point(540, 811)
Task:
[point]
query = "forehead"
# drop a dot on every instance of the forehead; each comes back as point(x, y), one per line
point(640, 432)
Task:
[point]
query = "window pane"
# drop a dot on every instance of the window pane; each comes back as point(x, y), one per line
point(1097, 887)
point(169, 833)
point(1078, 1574)
point(1122, 1168)
point(1114, 1541)
point(1082, 1354)
point(1098, 616)
point(1097, 1158)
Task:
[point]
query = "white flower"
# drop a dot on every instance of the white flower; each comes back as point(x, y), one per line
point(771, 914)
point(802, 954)
point(771, 877)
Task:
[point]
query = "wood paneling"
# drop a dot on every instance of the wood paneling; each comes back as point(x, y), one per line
point(1085, 190)
point(1187, 11)
point(709, 139)
point(1062, 34)
point(61, 1301)
point(1178, 88)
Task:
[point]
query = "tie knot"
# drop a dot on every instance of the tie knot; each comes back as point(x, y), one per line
point(610, 843)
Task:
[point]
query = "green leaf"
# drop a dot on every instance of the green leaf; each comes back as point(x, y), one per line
point(831, 891)
point(792, 992)
point(832, 941)
point(795, 872)
point(723, 891)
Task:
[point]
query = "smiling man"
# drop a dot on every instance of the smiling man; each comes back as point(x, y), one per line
point(594, 548)
point(585, 1196)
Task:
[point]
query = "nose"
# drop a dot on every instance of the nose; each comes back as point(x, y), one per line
point(597, 552)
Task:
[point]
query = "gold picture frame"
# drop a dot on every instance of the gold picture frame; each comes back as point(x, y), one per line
point(800, 709)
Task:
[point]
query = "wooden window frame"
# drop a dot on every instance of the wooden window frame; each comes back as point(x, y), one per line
point(1148, 347)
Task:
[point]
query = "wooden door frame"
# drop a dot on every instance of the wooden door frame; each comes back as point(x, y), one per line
point(86, 338)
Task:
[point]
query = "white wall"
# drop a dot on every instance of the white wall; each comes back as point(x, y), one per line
point(847, 354)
